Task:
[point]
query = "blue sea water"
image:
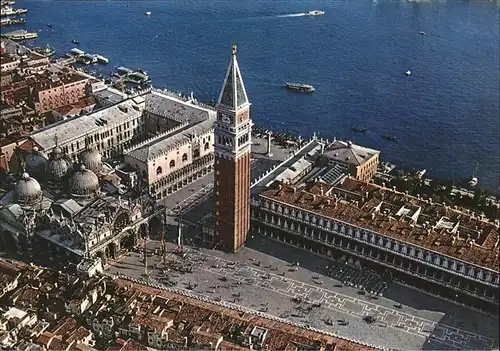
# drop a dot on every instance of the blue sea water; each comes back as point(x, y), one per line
point(445, 115)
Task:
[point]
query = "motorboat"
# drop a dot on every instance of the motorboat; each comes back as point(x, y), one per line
point(422, 32)
point(408, 73)
point(148, 13)
point(315, 13)
point(389, 137)
point(300, 87)
point(359, 130)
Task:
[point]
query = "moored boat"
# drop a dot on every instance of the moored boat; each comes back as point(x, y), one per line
point(46, 51)
point(9, 11)
point(473, 181)
point(21, 35)
point(101, 59)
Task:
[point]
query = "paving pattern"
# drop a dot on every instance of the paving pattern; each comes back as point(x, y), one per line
point(393, 318)
point(266, 290)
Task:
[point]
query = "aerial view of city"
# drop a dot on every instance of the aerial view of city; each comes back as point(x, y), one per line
point(249, 175)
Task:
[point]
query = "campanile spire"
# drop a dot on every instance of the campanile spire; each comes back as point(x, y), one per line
point(233, 94)
point(232, 131)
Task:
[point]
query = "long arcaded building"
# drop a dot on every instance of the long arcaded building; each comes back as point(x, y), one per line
point(323, 209)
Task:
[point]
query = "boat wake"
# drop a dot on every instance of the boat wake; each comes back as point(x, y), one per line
point(292, 15)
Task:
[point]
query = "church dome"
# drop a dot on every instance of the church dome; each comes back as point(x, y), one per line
point(58, 166)
point(28, 191)
point(83, 183)
point(57, 169)
point(36, 164)
point(91, 159)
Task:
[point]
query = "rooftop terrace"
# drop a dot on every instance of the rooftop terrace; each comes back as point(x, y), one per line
point(405, 218)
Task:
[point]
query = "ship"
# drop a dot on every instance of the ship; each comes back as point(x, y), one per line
point(9, 11)
point(11, 21)
point(21, 35)
point(300, 87)
point(315, 13)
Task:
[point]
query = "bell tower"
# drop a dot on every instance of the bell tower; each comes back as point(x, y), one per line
point(232, 161)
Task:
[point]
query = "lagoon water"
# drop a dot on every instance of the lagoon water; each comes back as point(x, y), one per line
point(445, 115)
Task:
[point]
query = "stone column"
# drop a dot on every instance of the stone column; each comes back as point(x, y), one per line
point(269, 153)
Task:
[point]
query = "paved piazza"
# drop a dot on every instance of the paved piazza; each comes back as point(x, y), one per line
point(265, 278)
point(255, 281)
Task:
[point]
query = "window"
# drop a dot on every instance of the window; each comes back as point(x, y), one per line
point(172, 164)
point(207, 146)
point(196, 153)
point(184, 158)
point(158, 171)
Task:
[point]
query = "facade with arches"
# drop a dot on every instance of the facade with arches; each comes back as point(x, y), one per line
point(431, 246)
point(181, 153)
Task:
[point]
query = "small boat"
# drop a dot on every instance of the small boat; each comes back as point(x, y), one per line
point(389, 137)
point(422, 32)
point(49, 25)
point(408, 73)
point(300, 87)
point(46, 51)
point(101, 59)
point(421, 173)
point(148, 13)
point(473, 181)
point(359, 130)
point(315, 13)
point(74, 41)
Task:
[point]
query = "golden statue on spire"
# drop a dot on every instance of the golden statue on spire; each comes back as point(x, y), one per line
point(234, 50)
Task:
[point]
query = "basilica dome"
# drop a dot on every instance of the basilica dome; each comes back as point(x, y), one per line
point(91, 159)
point(58, 166)
point(36, 164)
point(28, 191)
point(83, 183)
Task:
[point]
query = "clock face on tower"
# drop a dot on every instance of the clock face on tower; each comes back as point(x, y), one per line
point(243, 116)
point(224, 118)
